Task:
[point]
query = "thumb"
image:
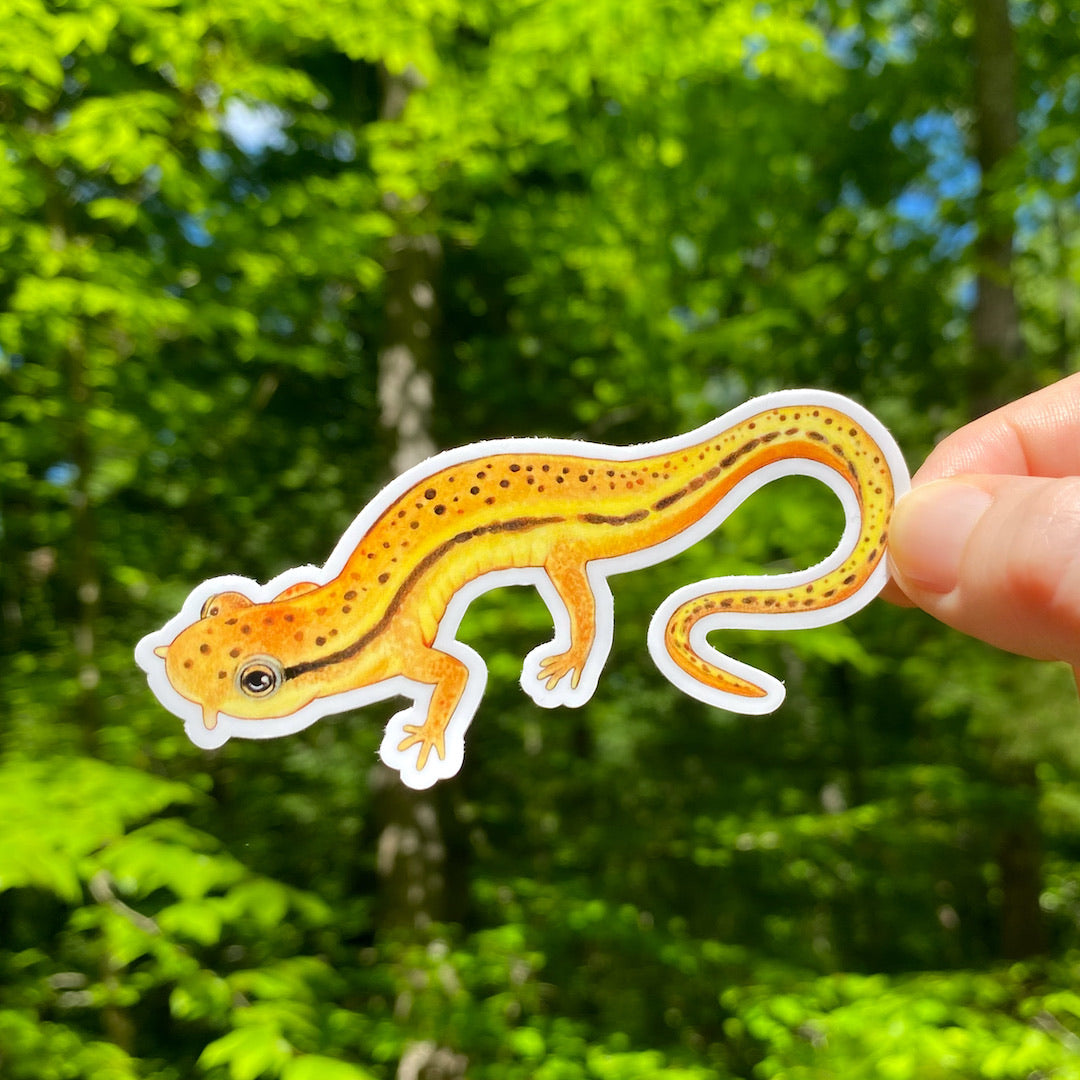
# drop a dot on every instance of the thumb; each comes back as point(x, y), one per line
point(997, 557)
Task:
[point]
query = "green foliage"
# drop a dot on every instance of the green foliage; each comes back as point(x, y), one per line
point(644, 213)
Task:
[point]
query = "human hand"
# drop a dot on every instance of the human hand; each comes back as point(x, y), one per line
point(988, 540)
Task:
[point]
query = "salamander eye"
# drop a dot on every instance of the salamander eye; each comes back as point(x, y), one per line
point(260, 677)
point(211, 607)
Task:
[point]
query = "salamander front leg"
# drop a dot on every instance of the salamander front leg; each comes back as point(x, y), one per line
point(450, 677)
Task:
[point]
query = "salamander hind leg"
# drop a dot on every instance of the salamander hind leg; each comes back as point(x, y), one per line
point(565, 670)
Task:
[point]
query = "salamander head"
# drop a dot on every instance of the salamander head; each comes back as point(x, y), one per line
point(229, 662)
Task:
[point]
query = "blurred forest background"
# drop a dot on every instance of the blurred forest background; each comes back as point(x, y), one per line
point(255, 256)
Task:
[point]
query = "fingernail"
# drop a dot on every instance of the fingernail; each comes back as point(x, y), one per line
point(930, 530)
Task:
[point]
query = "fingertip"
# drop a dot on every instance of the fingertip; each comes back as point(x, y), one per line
point(995, 557)
point(929, 535)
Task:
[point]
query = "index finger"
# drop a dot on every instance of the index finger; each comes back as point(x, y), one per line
point(1039, 435)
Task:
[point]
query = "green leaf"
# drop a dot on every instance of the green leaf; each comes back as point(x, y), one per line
point(317, 1067)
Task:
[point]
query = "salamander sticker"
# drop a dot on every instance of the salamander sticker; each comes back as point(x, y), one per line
point(380, 618)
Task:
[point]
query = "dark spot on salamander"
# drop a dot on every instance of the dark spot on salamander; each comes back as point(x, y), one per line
point(429, 494)
point(583, 478)
point(320, 640)
point(515, 468)
point(604, 519)
point(558, 479)
point(545, 468)
point(222, 674)
point(440, 509)
point(816, 436)
point(187, 663)
point(734, 456)
point(204, 648)
point(245, 629)
point(727, 602)
point(414, 524)
point(345, 609)
point(289, 618)
point(489, 500)
point(849, 579)
point(350, 595)
point(504, 483)
point(770, 435)
point(792, 431)
point(668, 500)
point(234, 653)
point(230, 622)
point(474, 490)
point(384, 578)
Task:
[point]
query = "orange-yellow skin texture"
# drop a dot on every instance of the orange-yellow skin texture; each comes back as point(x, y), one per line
point(378, 618)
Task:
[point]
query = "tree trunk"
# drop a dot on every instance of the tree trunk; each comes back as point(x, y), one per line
point(84, 536)
point(1019, 859)
point(998, 374)
point(411, 854)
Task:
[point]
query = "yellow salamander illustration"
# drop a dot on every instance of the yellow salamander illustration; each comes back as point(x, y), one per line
point(379, 618)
